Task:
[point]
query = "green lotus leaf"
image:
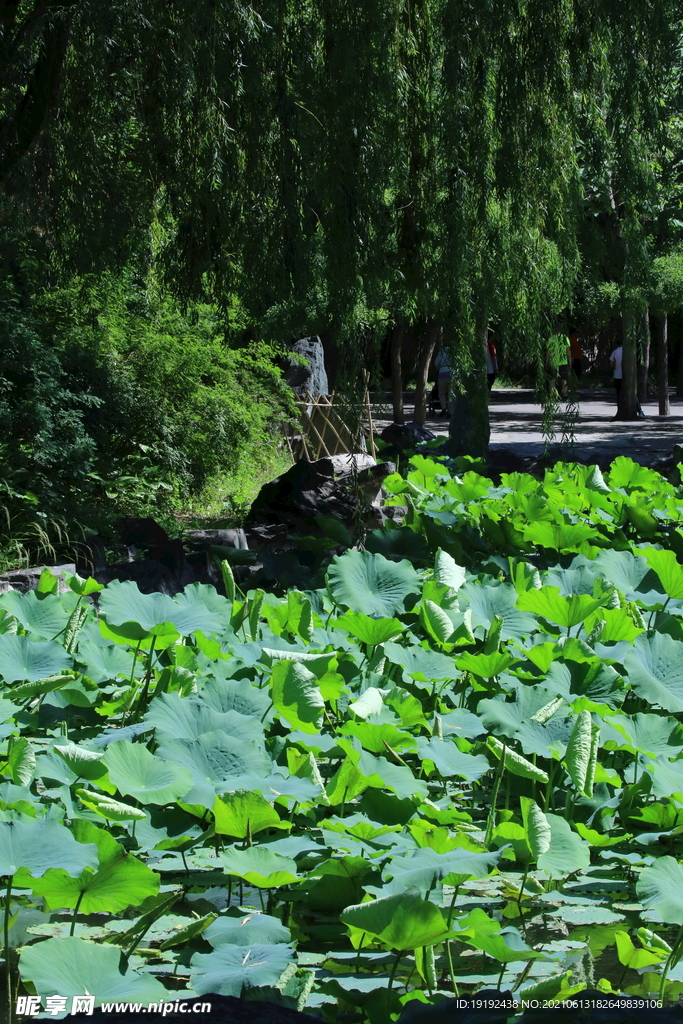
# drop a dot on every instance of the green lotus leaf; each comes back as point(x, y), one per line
point(44, 615)
point(123, 603)
point(186, 718)
point(231, 969)
point(578, 578)
point(382, 773)
point(660, 887)
point(213, 759)
point(376, 737)
point(21, 658)
point(578, 753)
point(296, 695)
point(450, 761)
point(37, 846)
point(367, 630)
point(625, 570)
point(655, 670)
point(667, 776)
point(514, 762)
point(260, 867)
point(508, 718)
point(487, 602)
point(103, 663)
point(21, 762)
point(358, 826)
point(558, 536)
point(70, 967)
point(643, 733)
point(247, 930)
point(243, 814)
point(506, 947)
point(402, 921)
point(370, 702)
point(241, 696)
point(669, 570)
point(84, 763)
point(556, 607)
point(120, 880)
point(82, 587)
point(447, 571)
point(371, 584)
point(420, 663)
point(148, 778)
point(485, 665)
point(427, 868)
point(567, 851)
point(461, 722)
point(436, 621)
point(106, 807)
point(536, 827)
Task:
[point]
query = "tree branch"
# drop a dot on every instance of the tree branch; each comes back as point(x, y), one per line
point(40, 98)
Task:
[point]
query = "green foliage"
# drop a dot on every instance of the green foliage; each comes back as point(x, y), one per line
point(488, 747)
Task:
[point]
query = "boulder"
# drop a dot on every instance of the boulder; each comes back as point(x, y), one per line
point(24, 580)
point(403, 437)
point(312, 378)
point(327, 487)
point(203, 539)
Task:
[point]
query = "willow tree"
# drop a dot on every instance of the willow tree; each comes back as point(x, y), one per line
point(315, 165)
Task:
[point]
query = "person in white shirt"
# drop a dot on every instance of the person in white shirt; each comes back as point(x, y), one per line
point(615, 361)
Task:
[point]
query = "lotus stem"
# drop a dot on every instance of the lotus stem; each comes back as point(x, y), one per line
point(393, 970)
point(75, 913)
point(667, 965)
point(494, 796)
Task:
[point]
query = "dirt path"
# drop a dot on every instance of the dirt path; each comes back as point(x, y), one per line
point(516, 423)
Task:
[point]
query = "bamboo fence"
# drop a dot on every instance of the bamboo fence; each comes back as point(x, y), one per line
point(330, 427)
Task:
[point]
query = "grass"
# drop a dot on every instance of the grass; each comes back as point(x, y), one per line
point(225, 499)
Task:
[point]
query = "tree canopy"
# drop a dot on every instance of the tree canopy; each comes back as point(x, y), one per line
point(324, 165)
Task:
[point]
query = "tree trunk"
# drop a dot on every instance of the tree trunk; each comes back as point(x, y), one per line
point(679, 382)
point(644, 367)
point(628, 399)
point(470, 429)
point(663, 365)
point(429, 341)
point(397, 372)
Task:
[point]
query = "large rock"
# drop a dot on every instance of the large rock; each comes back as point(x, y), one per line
point(328, 487)
point(312, 378)
point(24, 580)
point(403, 437)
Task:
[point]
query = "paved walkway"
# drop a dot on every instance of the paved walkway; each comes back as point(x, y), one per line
point(516, 422)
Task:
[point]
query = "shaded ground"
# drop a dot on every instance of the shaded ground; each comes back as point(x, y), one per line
point(516, 423)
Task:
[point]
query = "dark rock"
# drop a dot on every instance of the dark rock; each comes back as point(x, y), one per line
point(142, 532)
point(504, 460)
point(310, 489)
point(203, 539)
point(24, 580)
point(310, 379)
point(151, 576)
point(394, 513)
point(406, 436)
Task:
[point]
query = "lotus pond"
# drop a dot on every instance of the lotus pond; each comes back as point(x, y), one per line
point(458, 764)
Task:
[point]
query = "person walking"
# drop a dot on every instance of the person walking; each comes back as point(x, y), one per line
point(443, 381)
point(491, 360)
point(616, 362)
